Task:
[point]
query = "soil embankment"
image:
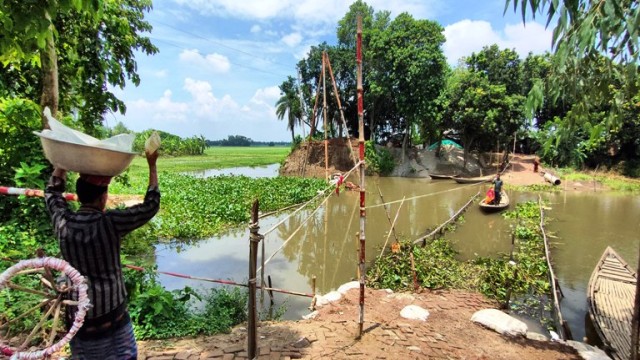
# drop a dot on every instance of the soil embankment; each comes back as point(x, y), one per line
point(448, 333)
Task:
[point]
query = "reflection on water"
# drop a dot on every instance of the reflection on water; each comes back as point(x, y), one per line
point(325, 246)
point(585, 224)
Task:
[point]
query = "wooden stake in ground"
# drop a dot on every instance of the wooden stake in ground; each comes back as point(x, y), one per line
point(254, 240)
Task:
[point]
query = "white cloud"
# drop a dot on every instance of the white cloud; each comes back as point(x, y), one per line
point(163, 110)
point(292, 39)
point(307, 12)
point(214, 62)
point(266, 96)
point(161, 73)
point(202, 112)
point(255, 29)
point(468, 36)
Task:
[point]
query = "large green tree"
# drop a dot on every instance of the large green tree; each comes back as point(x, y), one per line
point(78, 47)
point(412, 68)
point(584, 31)
point(501, 66)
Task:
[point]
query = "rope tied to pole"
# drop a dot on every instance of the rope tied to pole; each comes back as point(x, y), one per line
point(254, 236)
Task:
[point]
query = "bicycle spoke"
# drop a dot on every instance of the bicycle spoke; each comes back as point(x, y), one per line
point(30, 271)
point(47, 283)
point(39, 324)
point(54, 327)
point(35, 292)
point(41, 304)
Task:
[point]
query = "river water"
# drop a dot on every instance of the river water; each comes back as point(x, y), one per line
point(321, 242)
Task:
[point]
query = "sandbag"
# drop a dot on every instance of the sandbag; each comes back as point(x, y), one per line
point(500, 322)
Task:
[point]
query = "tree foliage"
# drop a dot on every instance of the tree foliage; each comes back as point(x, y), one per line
point(82, 47)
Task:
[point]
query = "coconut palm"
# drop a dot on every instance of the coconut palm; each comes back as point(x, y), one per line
point(289, 105)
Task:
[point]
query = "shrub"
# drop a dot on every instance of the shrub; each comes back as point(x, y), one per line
point(379, 160)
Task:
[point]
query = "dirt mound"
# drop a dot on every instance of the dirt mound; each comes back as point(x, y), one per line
point(309, 158)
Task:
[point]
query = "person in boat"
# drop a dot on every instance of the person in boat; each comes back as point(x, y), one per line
point(90, 240)
point(497, 189)
point(490, 196)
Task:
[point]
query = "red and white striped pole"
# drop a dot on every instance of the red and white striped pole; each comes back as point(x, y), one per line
point(361, 153)
point(6, 190)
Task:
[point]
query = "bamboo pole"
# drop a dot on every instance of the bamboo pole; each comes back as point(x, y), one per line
point(360, 90)
point(413, 271)
point(254, 240)
point(451, 219)
point(324, 115)
point(7, 190)
point(386, 211)
point(344, 122)
point(392, 227)
point(262, 283)
point(303, 115)
point(561, 325)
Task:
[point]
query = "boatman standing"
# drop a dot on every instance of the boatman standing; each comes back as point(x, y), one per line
point(497, 188)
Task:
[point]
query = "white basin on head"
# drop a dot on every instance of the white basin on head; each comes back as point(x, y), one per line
point(85, 159)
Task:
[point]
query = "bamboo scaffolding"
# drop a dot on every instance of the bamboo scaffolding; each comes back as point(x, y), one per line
point(450, 220)
point(344, 122)
point(324, 115)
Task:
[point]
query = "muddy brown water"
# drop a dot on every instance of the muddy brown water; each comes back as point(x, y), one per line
point(324, 244)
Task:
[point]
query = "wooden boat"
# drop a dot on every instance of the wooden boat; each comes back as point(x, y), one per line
point(504, 203)
point(611, 295)
point(473, 180)
point(441, 177)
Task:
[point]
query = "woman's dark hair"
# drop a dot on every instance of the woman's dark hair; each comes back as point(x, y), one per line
point(88, 192)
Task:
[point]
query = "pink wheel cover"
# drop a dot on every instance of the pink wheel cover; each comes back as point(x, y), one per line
point(83, 303)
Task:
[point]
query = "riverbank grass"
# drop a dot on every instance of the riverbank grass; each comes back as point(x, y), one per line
point(610, 180)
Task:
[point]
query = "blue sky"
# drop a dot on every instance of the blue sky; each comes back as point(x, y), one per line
point(221, 61)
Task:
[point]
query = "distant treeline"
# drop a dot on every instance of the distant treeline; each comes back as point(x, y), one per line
point(239, 140)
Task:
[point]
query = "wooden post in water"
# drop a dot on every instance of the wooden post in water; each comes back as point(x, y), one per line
point(254, 240)
point(361, 153)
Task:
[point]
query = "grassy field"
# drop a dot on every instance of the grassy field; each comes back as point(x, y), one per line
point(213, 158)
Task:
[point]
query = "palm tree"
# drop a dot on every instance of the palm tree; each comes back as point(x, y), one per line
point(289, 105)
